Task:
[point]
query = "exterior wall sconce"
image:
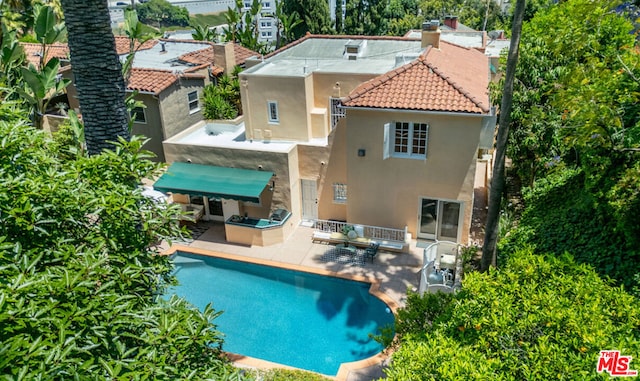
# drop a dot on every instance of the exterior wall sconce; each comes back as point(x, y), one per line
point(361, 152)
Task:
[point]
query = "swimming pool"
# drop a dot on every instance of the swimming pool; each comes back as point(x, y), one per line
point(295, 318)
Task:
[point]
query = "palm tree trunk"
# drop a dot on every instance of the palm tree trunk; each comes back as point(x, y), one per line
point(498, 180)
point(97, 71)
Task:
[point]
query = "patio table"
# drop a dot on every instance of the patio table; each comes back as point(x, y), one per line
point(347, 248)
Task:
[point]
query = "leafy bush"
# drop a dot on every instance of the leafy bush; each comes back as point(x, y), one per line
point(289, 375)
point(80, 288)
point(538, 318)
point(562, 216)
point(222, 100)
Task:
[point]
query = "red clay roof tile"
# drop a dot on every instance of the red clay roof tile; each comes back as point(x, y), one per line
point(123, 45)
point(243, 53)
point(32, 52)
point(151, 80)
point(450, 79)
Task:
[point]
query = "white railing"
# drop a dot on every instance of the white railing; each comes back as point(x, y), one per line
point(374, 232)
point(441, 255)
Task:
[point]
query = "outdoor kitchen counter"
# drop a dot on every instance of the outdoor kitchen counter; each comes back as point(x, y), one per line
point(257, 231)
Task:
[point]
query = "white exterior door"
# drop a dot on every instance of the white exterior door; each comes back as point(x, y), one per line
point(309, 199)
point(439, 219)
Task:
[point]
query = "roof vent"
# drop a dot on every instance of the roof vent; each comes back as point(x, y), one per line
point(354, 48)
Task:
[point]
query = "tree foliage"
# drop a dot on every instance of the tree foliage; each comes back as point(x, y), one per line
point(242, 26)
point(222, 100)
point(162, 13)
point(365, 17)
point(314, 13)
point(81, 290)
point(537, 318)
point(576, 109)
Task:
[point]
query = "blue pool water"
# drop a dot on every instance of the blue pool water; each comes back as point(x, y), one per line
point(299, 319)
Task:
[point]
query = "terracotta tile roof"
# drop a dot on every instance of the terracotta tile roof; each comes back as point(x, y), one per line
point(199, 57)
point(57, 50)
point(122, 45)
point(151, 80)
point(155, 80)
point(451, 79)
point(243, 53)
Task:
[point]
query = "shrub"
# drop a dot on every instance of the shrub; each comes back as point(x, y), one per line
point(538, 318)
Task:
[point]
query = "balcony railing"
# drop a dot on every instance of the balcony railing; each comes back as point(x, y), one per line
point(373, 232)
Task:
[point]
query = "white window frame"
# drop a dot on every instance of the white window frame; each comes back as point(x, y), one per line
point(139, 113)
point(272, 112)
point(195, 101)
point(339, 193)
point(393, 148)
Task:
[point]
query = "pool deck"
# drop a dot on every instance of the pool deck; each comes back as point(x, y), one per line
point(395, 272)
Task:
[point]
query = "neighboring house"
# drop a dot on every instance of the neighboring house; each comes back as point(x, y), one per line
point(169, 76)
point(381, 131)
point(492, 44)
point(33, 53)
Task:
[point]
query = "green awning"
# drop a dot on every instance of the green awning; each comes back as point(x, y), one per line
point(214, 182)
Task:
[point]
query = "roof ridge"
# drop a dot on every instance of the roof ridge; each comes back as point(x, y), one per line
point(379, 80)
point(456, 86)
point(152, 69)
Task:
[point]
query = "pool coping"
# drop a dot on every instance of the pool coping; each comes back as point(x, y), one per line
point(345, 368)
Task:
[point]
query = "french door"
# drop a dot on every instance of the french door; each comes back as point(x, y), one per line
point(439, 219)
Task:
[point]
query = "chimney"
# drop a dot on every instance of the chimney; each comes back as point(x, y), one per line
point(451, 22)
point(431, 34)
point(224, 56)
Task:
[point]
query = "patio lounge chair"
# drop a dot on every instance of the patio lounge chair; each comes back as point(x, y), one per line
point(371, 251)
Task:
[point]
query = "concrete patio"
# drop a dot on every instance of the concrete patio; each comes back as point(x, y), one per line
point(396, 272)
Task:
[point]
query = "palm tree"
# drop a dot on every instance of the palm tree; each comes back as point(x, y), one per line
point(498, 180)
point(286, 24)
point(97, 71)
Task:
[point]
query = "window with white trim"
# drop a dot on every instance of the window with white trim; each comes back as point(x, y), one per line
point(194, 106)
point(138, 115)
point(339, 193)
point(272, 109)
point(406, 140)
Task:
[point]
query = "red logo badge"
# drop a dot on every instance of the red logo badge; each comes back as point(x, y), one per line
point(616, 364)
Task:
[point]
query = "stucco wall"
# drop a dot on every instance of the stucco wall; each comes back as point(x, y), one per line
point(276, 162)
point(335, 172)
point(335, 85)
point(388, 192)
point(174, 106)
point(152, 129)
point(289, 93)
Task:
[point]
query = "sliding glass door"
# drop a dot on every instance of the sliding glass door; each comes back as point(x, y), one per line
point(439, 219)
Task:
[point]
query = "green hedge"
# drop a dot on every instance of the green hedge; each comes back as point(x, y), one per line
point(562, 216)
point(537, 318)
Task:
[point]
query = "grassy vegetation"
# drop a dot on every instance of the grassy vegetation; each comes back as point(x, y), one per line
point(208, 19)
point(199, 19)
point(289, 375)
